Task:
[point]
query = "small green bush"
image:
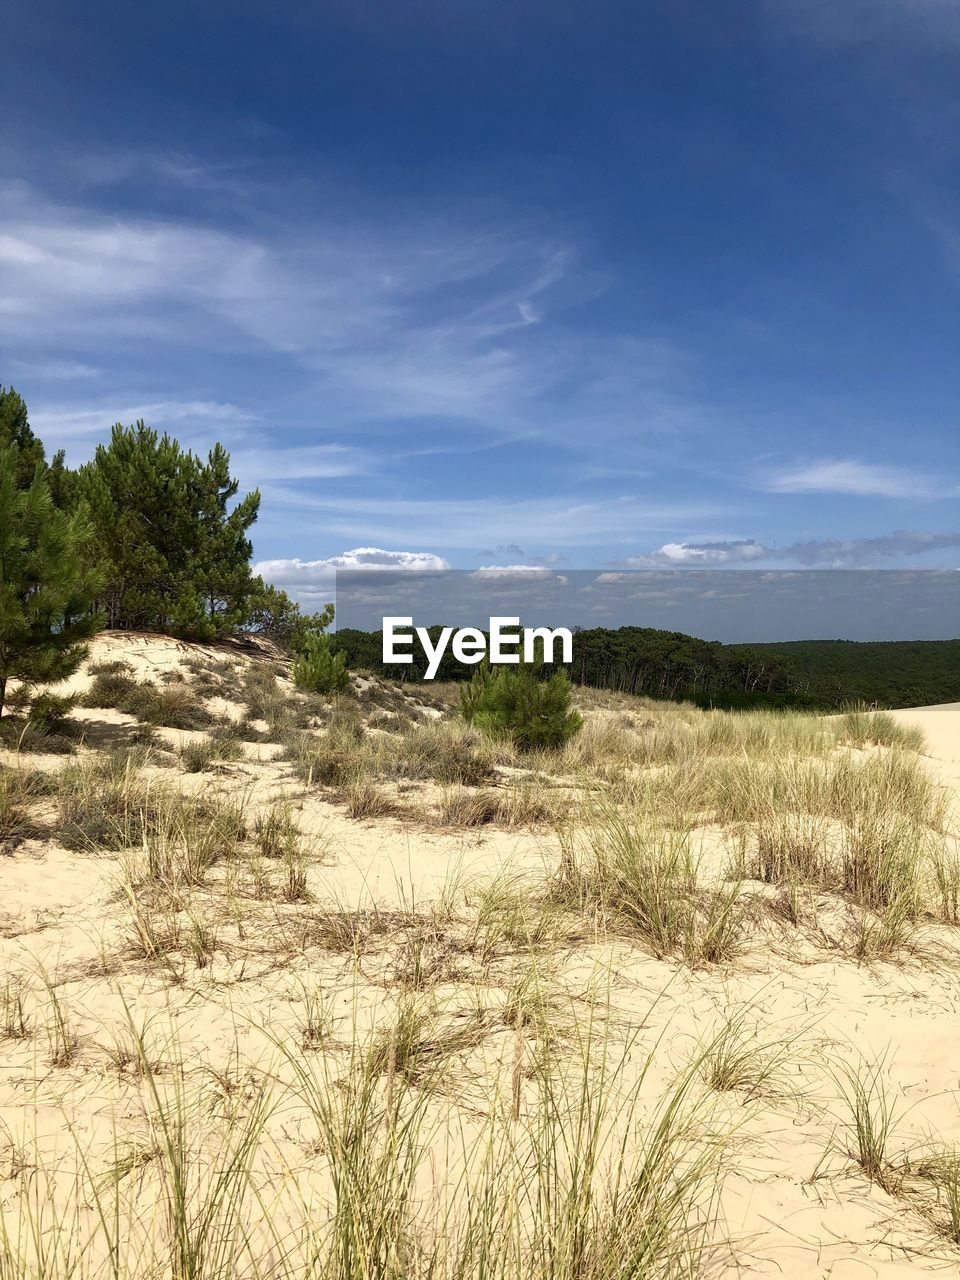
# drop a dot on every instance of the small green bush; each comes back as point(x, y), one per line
point(318, 669)
point(514, 703)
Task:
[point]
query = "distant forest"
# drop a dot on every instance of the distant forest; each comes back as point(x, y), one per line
point(890, 673)
point(819, 674)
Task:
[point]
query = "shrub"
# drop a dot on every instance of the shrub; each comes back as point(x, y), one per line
point(203, 754)
point(318, 669)
point(113, 684)
point(175, 706)
point(449, 753)
point(513, 703)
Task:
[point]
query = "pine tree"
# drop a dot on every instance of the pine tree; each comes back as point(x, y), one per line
point(46, 584)
point(15, 429)
point(221, 570)
point(514, 703)
point(319, 669)
point(272, 614)
point(177, 557)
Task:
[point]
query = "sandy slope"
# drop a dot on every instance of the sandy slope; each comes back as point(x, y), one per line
point(794, 1203)
point(941, 728)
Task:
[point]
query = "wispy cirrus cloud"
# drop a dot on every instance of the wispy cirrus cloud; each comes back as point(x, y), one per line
point(429, 315)
point(857, 478)
point(56, 370)
point(870, 22)
point(256, 461)
point(61, 424)
point(556, 521)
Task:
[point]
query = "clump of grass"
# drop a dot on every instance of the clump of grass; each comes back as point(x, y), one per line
point(644, 878)
point(155, 932)
point(451, 753)
point(202, 940)
point(342, 752)
point(317, 1023)
point(14, 1020)
point(520, 805)
point(174, 706)
point(295, 876)
point(265, 699)
point(206, 753)
point(885, 932)
point(62, 1041)
point(417, 1046)
point(113, 682)
point(940, 1170)
point(212, 678)
point(188, 838)
point(944, 863)
point(530, 804)
point(342, 930)
point(17, 789)
point(461, 807)
point(275, 833)
point(647, 877)
point(104, 804)
point(872, 1121)
point(511, 915)
point(892, 782)
point(883, 857)
point(790, 847)
point(366, 800)
point(740, 1059)
point(864, 727)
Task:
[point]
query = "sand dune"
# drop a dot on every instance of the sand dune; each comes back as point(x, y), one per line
point(399, 912)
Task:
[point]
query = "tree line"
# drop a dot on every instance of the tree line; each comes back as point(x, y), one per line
point(814, 675)
point(637, 660)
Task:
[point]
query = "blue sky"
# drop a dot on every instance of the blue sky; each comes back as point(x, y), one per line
point(563, 284)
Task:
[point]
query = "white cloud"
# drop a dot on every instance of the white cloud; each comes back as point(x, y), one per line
point(702, 553)
point(861, 479)
point(198, 425)
point(309, 580)
point(532, 571)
